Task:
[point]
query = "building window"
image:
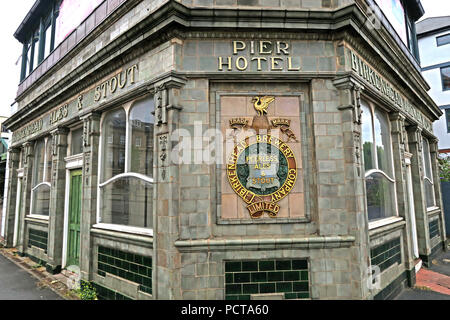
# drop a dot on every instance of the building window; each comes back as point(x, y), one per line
point(377, 150)
point(428, 174)
point(443, 40)
point(445, 75)
point(42, 41)
point(76, 141)
point(126, 185)
point(40, 192)
point(447, 116)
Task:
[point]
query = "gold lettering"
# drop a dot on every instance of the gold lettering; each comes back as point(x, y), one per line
point(132, 70)
point(236, 48)
point(113, 85)
point(97, 94)
point(122, 84)
point(259, 61)
point(221, 63)
point(284, 49)
point(275, 63)
point(238, 64)
point(103, 88)
point(262, 47)
point(290, 68)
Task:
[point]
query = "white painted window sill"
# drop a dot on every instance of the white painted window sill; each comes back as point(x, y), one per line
point(384, 222)
point(127, 229)
point(432, 209)
point(38, 216)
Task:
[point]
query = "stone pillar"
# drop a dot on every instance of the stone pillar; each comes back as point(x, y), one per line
point(14, 157)
point(166, 257)
point(398, 148)
point(434, 150)
point(91, 133)
point(357, 218)
point(57, 199)
point(28, 157)
point(418, 172)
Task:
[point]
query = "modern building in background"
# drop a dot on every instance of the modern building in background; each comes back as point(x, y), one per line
point(236, 149)
point(434, 46)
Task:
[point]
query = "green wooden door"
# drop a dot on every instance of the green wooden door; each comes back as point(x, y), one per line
point(73, 246)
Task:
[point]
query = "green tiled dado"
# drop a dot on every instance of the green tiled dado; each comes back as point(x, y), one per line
point(104, 293)
point(244, 278)
point(434, 228)
point(386, 255)
point(37, 238)
point(133, 267)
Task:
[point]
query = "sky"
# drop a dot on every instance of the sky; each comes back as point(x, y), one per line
point(12, 15)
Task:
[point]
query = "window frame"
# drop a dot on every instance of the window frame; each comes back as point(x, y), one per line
point(70, 144)
point(41, 183)
point(127, 107)
point(447, 119)
point(442, 78)
point(373, 224)
point(443, 36)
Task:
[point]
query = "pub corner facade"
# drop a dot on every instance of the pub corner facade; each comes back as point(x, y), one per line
point(235, 149)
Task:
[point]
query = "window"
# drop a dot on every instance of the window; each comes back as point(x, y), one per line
point(447, 116)
point(377, 154)
point(428, 174)
point(42, 41)
point(76, 141)
point(40, 191)
point(445, 75)
point(126, 179)
point(34, 51)
point(443, 40)
point(412, 38)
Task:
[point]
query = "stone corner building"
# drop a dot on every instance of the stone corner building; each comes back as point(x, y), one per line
point(107, 108)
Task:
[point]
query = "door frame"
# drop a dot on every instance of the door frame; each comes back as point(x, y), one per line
point(72, 163)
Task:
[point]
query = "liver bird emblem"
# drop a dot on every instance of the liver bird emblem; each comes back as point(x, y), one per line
point(262, 103)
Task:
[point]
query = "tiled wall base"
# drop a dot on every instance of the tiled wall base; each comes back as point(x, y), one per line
point(287, 277)
point(393, 289)
point(104, 293)
point(427, 259)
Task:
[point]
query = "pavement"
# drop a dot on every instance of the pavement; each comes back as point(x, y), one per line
point(17, 284)
point(431, 283)
point(23, 279)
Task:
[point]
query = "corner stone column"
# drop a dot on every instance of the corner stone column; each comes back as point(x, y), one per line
point(350, 107)
point(166, 257)
point(417, 171)
point(91, 135)
point(398, 147)
point(57, 199)
point(434, 150)
point(14, 157)
point(28, 157)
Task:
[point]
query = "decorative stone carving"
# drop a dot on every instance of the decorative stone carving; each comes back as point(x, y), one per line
point(163, 154)
point(350, 96)
point(28, 151)
point(161, 104)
